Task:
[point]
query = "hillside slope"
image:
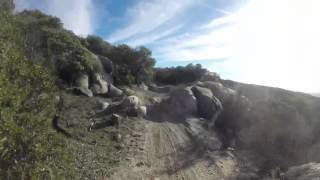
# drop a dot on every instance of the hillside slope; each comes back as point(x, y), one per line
point(82, 108)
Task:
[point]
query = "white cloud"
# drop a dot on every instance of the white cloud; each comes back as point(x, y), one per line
point(150, 38)
point(274, 42)
point(77, 15)
point(147, 16)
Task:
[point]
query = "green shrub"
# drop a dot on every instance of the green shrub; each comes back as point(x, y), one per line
point(48, 44)
point(29, 147)
point(131, 65)
point(180, 74)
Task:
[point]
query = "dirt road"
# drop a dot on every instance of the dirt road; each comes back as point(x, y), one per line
point(175, 151)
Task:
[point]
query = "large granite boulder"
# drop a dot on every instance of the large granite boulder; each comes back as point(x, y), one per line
point(82, 85)
point(223, 93)
point(182, 102)
point(100, 86)
point(130, 102)
point(209, 107)
point(114, 91)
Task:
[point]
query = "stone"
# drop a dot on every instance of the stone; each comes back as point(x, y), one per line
point(114, 91)
point(142, 111)
point(103, 105)
point(83, 91)
point(100, 86)
point(130, 101)
point(82, 85)
point(115, 119)
point(221, 92)
point(209, 106)
point(183, 102)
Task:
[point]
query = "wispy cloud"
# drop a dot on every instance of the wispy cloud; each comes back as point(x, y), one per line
point(147, 16)
point(77, 15)
point(274, 43)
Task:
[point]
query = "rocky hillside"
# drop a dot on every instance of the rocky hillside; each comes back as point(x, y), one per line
point(82, 108)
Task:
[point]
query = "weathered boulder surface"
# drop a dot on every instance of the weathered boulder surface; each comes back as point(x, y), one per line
point(182, 102)
point(209, 107)
point(130, 102)
point(82, 85)
point(221, 92)
point(114, 91)
point(100, 86)
point(310, 171)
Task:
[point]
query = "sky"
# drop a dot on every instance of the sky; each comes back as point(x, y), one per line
point(267, 42)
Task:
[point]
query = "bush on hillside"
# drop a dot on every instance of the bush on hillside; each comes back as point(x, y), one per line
point(48, 44)
point(29, 147)
point(180, 74)
point(131, 65)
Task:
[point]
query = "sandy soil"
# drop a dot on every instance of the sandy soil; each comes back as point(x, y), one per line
point(167, 150)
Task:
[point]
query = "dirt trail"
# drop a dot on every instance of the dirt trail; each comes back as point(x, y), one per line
point(175, 151)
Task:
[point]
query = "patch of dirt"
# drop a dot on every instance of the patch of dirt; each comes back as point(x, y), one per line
point(175, 149)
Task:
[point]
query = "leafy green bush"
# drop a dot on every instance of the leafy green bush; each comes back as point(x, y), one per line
point(29, 148)
point(48, 44)
point(131, 66)
point(180, 74)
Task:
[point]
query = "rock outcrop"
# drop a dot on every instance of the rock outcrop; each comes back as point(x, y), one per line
point(209, 106)
point(100, 86)
point(182, 102)
point(114, 91)
point(310, 171)
point(82, 85)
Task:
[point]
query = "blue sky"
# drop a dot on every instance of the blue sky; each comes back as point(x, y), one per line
point(268, 42)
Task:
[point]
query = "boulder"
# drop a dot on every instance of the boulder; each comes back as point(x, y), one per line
point(130, 102)
point(83, 91)
point(143, 86)
point(209, 107)
point(221, 92)
point(142, 111)
point(115, 119)
point(82, 85)
point(183, 102)
point(100, 86)
point(103, 105)
point(82, 81)
point(114, 91)
point(310, 171)
point(107, 64)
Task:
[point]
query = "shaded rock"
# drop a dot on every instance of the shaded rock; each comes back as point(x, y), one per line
point(115, 119)
point(221, 92)
point(82, 91)
point(143, 86)
point(114, 91)
point(209, 107)
point(107, 64)
point(130, 102)
point(100, 86)
point(142, 111)
point(103, 105)
point(82, 81)
point(183, 102)
point(82, 85)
